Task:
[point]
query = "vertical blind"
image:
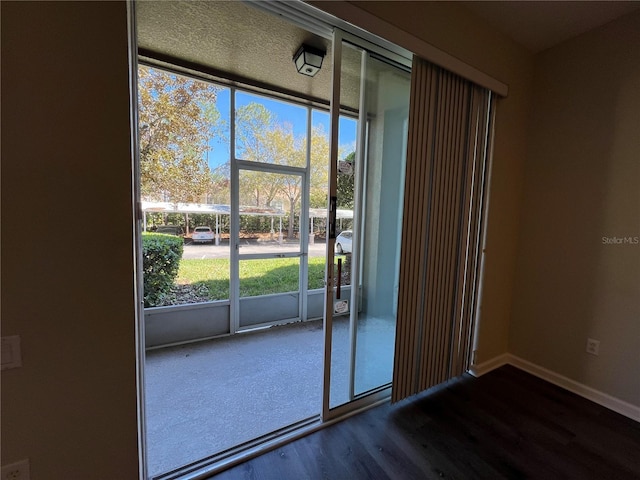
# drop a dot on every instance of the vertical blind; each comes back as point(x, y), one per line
point(449, 125)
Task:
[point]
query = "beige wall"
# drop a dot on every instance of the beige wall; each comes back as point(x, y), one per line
point(67, 269)
point(457, 31)
point(582, 184)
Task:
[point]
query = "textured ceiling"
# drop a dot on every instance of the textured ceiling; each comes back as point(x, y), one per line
point(255, 46)
point(242, 41)
point(540, 25)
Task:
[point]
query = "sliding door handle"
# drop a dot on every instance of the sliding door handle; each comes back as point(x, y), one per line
point(332, 216)
point(339, 280)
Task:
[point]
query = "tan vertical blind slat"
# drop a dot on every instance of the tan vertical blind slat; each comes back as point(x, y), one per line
point(446, 151)
point(415, 207)
point(451, 226)
point(402, 363)
point(463, 235)
point(429, 315)
point(412, 255)
point(454, 228)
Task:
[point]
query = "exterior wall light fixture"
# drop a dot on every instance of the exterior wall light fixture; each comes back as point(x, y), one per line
point(308, 60)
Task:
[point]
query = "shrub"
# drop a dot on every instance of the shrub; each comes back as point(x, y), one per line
point(161, 256)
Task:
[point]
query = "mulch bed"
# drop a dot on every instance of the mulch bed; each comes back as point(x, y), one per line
point(189, 293)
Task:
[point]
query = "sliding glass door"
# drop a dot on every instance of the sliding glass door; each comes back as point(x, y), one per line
point(257, 179)
point(362, 287)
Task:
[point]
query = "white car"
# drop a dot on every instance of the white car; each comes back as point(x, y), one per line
point(202, 235)
point(343, 242)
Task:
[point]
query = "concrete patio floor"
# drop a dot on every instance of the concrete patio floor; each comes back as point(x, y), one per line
point(203, 398)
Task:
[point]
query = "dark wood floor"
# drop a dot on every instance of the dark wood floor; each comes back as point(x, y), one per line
point(504, 425)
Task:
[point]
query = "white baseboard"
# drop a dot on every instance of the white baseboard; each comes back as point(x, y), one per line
point(620, 406)
point(485, 367)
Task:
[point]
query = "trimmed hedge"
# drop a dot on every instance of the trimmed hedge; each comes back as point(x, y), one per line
point(161, 256)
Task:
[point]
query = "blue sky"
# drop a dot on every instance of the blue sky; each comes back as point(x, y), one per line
point(285, 113)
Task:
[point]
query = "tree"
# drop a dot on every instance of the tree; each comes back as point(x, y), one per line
point(320, 154)
point(285, 148)
point(346, 184)
point(220, 186)
point(177, 116)
point(253, 124)
point(261, 139)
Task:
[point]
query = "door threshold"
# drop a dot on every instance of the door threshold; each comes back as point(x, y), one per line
point(224, 460)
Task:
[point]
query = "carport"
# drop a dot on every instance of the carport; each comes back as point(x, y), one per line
point(209, 209)
point(322, 213)
point(219, 209)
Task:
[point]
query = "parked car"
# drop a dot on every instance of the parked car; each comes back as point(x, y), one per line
point(343, 242)
point(170, 230)
point(202, 235)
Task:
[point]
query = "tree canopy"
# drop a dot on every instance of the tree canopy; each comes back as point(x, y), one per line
point(346, 184)
point(262, 139)
point(177, 116)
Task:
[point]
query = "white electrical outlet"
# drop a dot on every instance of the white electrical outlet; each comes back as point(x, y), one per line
point(16, 471)
point(593, 346)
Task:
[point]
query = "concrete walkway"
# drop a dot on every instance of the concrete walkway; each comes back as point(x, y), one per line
point(206, 397)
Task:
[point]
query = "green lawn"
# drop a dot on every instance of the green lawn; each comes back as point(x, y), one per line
point(257, 277)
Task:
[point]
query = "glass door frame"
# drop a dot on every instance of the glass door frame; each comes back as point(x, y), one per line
point(383, 393)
